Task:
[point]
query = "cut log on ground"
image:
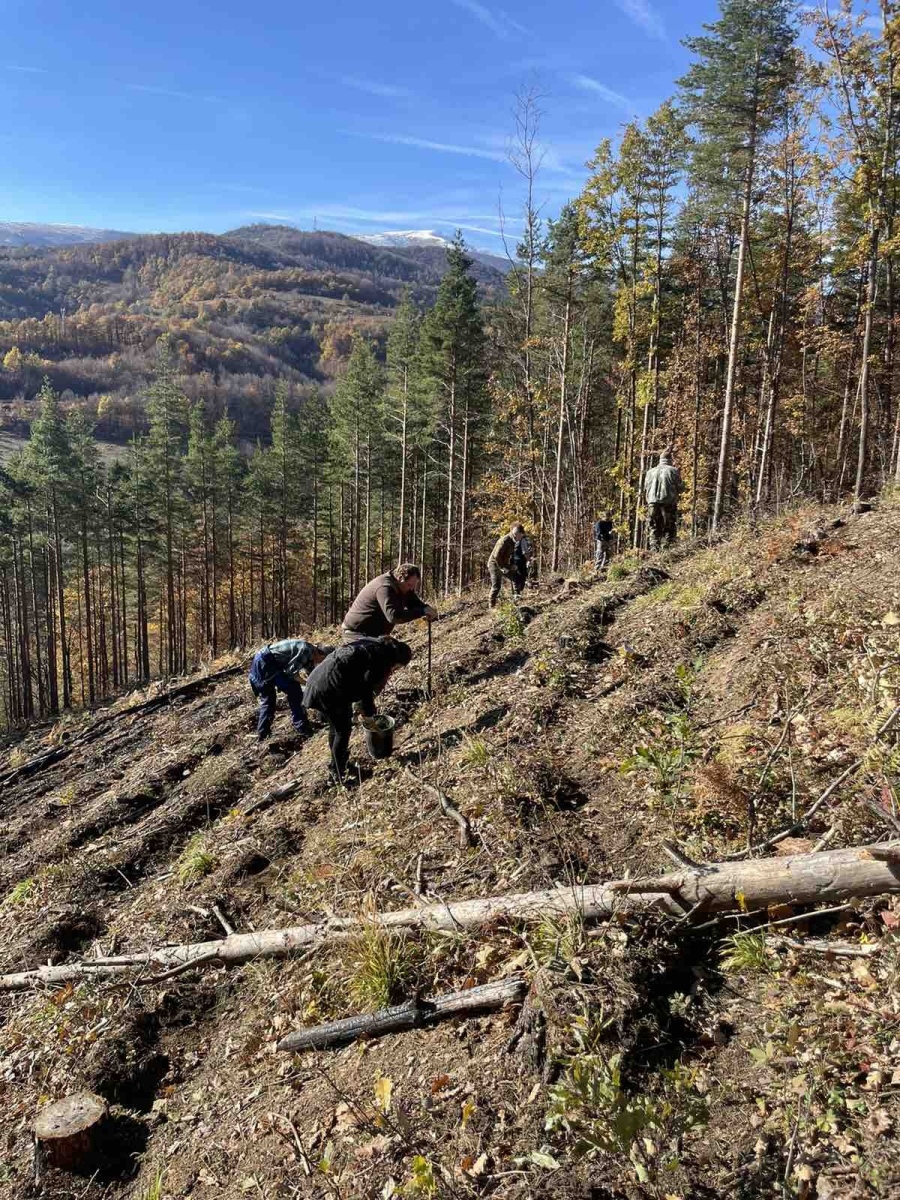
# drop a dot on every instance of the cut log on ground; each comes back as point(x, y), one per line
point(412, 1015)
point(280, 793)
point(67, 1134)
point(827, 878)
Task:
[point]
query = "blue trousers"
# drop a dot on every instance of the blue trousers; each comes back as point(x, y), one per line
point(266, 686)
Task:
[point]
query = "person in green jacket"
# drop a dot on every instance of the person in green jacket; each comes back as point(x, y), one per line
point(501, 564)
point(662, 487)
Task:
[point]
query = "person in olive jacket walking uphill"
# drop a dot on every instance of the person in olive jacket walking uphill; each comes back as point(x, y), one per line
point(353, 674)
point(501, 564)
point(386, 601)
point(662, 487)
point(273, 670)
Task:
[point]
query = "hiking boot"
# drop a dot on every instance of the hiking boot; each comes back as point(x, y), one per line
point(263, 735)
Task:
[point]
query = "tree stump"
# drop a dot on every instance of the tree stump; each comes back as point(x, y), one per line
point(66, 1132)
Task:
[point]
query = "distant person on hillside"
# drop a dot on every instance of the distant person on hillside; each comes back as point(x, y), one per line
point(273, 670)
point(501, 563)
point(385, 602)
point(353, 674)
point(603, 531)
point(662, 487)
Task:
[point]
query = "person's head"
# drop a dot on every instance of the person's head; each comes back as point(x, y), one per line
point(408, 576)
point(517, 532)
point(320, 653)
point(400, 653)
point(666, 456)
point(602, 515)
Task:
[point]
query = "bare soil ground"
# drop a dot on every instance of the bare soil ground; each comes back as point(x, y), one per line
point(706, 696)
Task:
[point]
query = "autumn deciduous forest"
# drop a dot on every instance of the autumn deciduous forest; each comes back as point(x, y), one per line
point(724, 285)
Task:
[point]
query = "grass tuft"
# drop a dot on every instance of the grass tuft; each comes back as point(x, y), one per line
point(476, 753)
point(20, 893)
point(381, 967)
point(154, 1191)
point(747, 952)
point(195, 861)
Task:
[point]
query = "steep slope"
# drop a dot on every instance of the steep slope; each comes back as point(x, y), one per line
point(708, 696)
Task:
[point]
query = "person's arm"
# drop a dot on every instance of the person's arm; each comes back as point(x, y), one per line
point(391, 605)
point(301, 658)
point(372, 684)
point(411, 608)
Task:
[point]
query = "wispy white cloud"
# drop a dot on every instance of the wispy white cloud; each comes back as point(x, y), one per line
point(500, 23)
point(388, 218)
point(645, 15)
point(374, 88)
point(26, 70)
point(513, 23)
point(399, 139)
point(587, 84)
point(173, 93)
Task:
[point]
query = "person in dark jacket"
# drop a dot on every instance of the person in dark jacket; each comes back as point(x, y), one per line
point(273, 670)
point(501, 564)
point(385, 602)
point(353, 674)
point(521, 562)
point(603, 531)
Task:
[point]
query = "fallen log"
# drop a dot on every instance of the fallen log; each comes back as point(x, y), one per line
point(827, 878)
point(412, 1015)
point(50, 757)
point(280, 793)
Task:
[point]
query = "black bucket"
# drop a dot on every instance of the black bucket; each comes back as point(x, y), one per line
point(379, 736)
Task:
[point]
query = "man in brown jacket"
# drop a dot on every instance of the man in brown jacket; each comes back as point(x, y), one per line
point(501, 564)
point(385, 602)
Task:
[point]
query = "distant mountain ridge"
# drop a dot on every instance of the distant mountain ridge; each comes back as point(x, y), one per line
point(17, 234)
point(246, 308)
point(28, 233)
point(412, 239)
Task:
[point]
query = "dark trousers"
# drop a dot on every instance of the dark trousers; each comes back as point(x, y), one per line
point(520, 575)
point(340, 721)
point(497, 576)
point(266, 687)
point(663, 524)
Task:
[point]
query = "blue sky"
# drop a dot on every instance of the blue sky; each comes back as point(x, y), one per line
point(362, 117)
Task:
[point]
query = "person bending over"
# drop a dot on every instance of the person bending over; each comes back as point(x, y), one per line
point(273, 670)
point(355, 673)
point(386, 601)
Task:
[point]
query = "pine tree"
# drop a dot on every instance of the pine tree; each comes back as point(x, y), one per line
point(166, 415)
point(733, 94)
point(454, 369)
point(402, 363)
point(51, 462)
point(357, 416)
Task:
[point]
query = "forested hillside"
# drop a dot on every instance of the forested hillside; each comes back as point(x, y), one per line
point(723, 285)
point(245, 309)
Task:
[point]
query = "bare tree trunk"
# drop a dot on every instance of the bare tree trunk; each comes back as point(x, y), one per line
point(724, 470)
point(826, 878)
point(563, 383)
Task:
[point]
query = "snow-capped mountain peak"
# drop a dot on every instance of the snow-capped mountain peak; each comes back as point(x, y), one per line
point(406, 237)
